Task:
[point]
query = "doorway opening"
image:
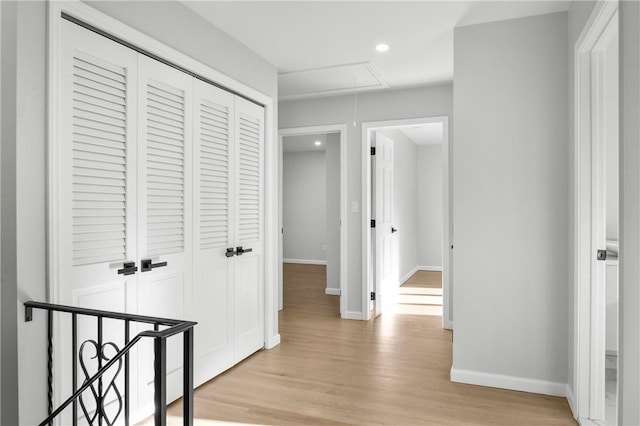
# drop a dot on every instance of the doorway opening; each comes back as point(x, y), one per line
point(407, 228)
point(312, 205)
point(597, 214)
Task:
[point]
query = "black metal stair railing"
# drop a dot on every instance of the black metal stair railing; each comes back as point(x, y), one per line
point(117, 361)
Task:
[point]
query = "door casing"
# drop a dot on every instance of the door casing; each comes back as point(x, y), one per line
point(311, 130)
point(589, 313)
point(109, 25)
point(368, 128)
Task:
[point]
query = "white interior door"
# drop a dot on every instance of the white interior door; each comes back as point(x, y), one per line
point(604, 227)
point(386, 254)
point(214, 221)
point(96, 202)
point(164, 210)
point(249, 229)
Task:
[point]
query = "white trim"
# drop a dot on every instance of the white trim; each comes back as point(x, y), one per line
point(408, 275)
point(584, 351)
point(305, 261)
point(99, 20)
point(570, 399)
point(352, 315)
point(419, 268)
point(332, 291)
point(430, 268)
point(447, 237)
point(582, 421)
point(309, 130)
point(502, 381)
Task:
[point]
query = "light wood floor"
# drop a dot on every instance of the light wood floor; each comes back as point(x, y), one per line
point(393, 370)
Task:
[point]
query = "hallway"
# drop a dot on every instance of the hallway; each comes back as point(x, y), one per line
point(393, 370)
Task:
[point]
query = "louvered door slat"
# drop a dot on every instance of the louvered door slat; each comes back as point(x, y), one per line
point(214, 166)
point(249, 174)
point(99, 161)
point(165, 165)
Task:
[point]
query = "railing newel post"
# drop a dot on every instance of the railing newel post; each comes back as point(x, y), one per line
point(50, 362)
point(74, 364)
point(187, 391)
point(127, 408)
point(160, 386)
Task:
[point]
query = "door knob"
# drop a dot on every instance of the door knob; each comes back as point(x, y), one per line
point(128, 268)
point(230, 252)
point(146, 265)
point(241, 250)
point(394, 230)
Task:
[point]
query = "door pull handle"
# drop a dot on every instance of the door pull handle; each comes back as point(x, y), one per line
point(230, 252)
point(242, 251)
point(146, 265)
point(393, 230)
point(128, 268)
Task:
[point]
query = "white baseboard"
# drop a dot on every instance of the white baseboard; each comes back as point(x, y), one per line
point(419, 268)
point(332, 291)
point(587, 422)
point(352, 315)
point(429, 268)
point(447, 325)
point(508, 382)
point(305, 261)
point(570, 399)
point(408, 275)
point(272, 341)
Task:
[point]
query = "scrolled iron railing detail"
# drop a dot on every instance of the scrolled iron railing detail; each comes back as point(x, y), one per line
point(120, 359)
point(99, 395)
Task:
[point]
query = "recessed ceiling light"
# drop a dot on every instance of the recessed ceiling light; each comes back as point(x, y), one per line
point(318, 143)
point(382, 47)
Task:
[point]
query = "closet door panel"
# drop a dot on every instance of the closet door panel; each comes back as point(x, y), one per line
point(249, 267)
point(164, 209)
point(95, 204)
point(213, 224)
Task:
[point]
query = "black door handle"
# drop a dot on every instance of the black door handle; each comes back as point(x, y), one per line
point(128, 268)
point(146, 265)
point(393, 230)
point(230, 252)
point(601, 255)
point(241, 250)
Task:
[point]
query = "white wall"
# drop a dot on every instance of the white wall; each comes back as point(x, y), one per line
point(510, 179)
point(23, 167)
point(405, 205)
point(429, 198)
point(333, 210)
point(304, 206)
point(430, 101)
point(629, 353)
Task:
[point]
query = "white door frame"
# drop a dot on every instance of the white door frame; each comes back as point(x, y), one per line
point(589, 369)
point(447, 237)
point(114, 27)
point(311, 130)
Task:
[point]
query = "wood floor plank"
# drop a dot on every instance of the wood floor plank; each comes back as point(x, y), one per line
point(393, 370)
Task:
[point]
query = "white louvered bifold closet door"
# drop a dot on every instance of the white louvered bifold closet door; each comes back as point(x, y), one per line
point(214, 219)
point(249, 266)
point(153, 166)
point(164, 210)
point(95, 229)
